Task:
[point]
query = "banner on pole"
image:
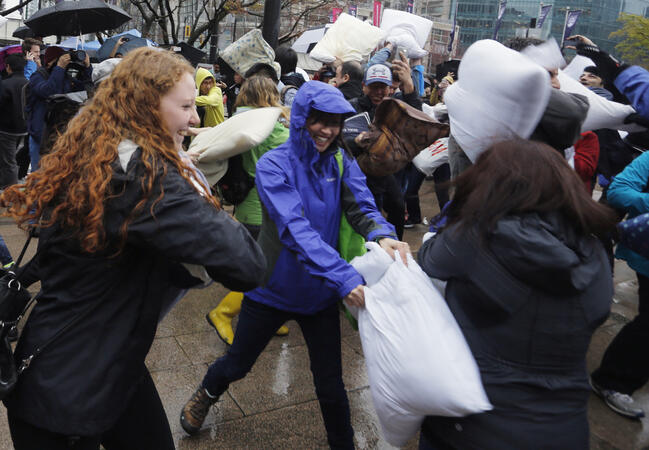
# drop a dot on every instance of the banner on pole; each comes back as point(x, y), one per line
point(501, 12)
point(335, 12)
point(543, 14)
point(571, 23)
point(353, 10)
point(376, 14)
point(451, 36)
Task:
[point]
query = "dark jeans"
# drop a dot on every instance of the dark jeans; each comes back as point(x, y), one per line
point(257, 325)
point(8, 166)
point(625, 366)
point(5, 254)
point(143, 425)
point(22, 157)
point(388, 197)
point(411, 181)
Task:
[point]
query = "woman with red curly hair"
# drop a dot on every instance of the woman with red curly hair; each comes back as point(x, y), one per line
point(126, 226)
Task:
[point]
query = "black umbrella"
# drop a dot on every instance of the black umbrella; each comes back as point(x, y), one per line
point(191, 54)
point(23, 32)
point(70, 18)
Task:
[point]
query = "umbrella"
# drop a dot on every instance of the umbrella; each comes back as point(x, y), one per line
point(309, 38)
point(75, 42)
point(8, 50)
point(108, 45)
point(74, 18)
point(191, 54)
point(23, 32)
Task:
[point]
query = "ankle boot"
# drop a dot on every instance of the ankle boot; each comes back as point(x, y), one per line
point(221, 316)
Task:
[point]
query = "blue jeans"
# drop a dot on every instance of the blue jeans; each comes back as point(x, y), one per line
point(257, 325)
point(34, 152)
point(5, 255)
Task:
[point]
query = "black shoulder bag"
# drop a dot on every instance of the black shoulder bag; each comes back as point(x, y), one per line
point(15, 300)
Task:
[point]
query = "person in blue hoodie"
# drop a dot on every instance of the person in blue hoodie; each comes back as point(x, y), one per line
point(304, 194)
point(625, 368)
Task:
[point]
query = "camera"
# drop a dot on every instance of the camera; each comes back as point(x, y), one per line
point(125, 39)
point(77, 56)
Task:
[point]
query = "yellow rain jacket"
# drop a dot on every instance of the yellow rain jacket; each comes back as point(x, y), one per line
point(213, 101)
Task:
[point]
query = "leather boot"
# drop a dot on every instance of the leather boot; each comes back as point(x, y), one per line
point(221, 316)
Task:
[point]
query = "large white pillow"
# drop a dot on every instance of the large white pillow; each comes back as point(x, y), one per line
point(602, 113)
point(407, 30)
point(500, 94)
point(236, 135)
point(349, 39)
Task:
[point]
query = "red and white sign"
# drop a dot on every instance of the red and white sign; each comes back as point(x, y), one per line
point(376, 15)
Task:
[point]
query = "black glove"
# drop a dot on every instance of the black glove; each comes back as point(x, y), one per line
point(609, 67)
point(637, 118)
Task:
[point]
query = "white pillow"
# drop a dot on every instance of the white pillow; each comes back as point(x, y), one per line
point(602, 113)
point(349, 39)
point(395, 22)
point(500, 94)
point(236, 135)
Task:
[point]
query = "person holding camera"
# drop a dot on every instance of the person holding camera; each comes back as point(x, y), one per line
point(56, 77)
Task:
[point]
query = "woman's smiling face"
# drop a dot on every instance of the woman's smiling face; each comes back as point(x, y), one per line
point(323, 128)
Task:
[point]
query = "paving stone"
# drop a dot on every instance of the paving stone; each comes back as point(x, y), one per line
point(282, 377)
point(165, 353)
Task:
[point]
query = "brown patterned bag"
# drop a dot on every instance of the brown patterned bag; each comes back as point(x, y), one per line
point(397, 134)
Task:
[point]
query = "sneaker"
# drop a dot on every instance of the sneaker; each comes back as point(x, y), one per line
point(622, 404)
point(195, 410)
point(9, 265)
point(409, 223)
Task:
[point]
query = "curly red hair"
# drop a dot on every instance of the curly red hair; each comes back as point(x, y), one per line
point(73, 181)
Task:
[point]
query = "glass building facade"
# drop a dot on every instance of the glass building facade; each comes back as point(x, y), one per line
point(598, 19)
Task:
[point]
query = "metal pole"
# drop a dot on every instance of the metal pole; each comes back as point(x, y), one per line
point(270, 26)
point(565, 23)
point(214, 41)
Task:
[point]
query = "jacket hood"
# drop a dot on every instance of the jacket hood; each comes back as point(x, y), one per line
point(201, 74)
point(314, 95)
point(545, 252)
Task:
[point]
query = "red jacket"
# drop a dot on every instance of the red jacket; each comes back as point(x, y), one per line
point(586, 157)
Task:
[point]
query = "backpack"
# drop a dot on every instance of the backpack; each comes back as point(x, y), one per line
point(236, 183)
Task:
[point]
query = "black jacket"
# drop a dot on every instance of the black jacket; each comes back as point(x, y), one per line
point(351, 89)
point(82, 383)
point(528, 302)
point(11, 104)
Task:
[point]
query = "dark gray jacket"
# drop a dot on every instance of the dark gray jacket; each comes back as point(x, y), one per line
point(528, 302)
point(82, 383)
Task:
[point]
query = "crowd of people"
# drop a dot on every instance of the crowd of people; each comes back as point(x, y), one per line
point(127, 224)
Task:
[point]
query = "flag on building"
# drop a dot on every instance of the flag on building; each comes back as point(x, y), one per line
point(543, 14)
point(376, 14)
point(335, 12)
point(501, 12)
point(571, 23)
point(451, 36)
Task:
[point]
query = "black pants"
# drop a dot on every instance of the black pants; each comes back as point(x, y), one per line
point(8, 166)
point(257, 325)
point(625, 366)
point(388, 197)
point(142, 426)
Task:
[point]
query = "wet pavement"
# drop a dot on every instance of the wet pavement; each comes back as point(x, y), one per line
point(275, 406)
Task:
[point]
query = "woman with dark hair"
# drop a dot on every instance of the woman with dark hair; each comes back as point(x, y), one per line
point(528, 283)
point(127, 225)
point(304, 193)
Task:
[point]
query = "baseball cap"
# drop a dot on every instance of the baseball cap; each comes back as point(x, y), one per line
point(378, 73)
